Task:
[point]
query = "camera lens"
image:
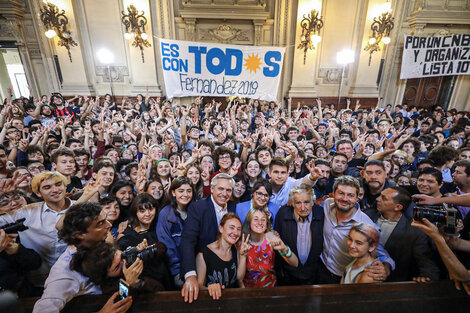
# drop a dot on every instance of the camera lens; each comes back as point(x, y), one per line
point(434, 215)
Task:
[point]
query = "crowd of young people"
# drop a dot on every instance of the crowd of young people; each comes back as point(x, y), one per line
point(238, 194)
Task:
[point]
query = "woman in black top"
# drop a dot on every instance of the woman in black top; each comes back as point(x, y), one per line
point(142, 225)
point(219, 264)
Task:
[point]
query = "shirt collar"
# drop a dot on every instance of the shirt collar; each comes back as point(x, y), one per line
point(217, 207)
point(46, 208)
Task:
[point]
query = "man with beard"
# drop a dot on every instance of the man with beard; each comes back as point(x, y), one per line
point(41, 218)
point(341, 213)
point(375, 181)
point(322, 187)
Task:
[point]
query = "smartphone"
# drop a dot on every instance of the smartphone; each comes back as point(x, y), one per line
point(123, 289)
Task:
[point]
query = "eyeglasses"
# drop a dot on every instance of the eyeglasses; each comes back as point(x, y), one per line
point(224, 157)
point(261, 195)
point(37, 168)
point(24, 174)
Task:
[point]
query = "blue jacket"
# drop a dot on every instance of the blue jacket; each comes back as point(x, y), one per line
point(200, 229)
point(243, 208)
point(169, 231)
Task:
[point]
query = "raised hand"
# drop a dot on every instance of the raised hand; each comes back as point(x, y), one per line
point(315, 172)
point(245, 245)
point(10, 184)
point(93, 187)
point(205, 175)
point(141, 246)
point(358, 105)
point(141, 178)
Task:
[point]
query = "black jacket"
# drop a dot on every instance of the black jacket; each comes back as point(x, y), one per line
point(286, 226)
point(155, 267)
point(14, 267)
point(410, 248)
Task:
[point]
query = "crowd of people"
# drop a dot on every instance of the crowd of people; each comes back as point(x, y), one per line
point(212, 195)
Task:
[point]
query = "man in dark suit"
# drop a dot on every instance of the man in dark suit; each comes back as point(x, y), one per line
point(200, 229)
point(301, 228)
point(408, 246)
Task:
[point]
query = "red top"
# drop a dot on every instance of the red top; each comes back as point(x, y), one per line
point(260, 267)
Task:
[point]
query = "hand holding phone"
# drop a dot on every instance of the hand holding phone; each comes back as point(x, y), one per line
point(123, 289)
point(119, 306)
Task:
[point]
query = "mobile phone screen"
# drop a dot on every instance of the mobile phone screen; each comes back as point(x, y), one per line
point(123, 290)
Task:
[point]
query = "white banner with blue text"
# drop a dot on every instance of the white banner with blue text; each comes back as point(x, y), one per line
point(218, 70)
point(435, 56)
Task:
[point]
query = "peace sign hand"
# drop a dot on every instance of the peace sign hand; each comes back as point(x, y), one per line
point(315, 172)
point(245, 245)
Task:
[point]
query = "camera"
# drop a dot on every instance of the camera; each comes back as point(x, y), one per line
point(14, 227)
point(442, 215)
point(131, 254)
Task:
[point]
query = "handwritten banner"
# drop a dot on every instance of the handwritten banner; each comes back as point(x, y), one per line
point(435, 56)
point(194, 69)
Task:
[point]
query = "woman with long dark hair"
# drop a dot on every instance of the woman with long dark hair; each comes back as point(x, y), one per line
point(123, 190)
point(142, 225)
point(171, 222)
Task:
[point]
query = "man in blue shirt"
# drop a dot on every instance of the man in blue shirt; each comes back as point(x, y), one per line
point(282, 183)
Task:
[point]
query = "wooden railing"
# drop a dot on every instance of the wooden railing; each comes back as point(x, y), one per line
point(382, 298)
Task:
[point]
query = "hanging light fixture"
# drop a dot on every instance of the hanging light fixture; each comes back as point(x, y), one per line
point(135, 28)
point(56, 24)
point(311, 25)
point(381, 28)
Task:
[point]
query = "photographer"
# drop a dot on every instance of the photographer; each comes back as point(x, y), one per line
point(102, 264)
point(142, 221)
point(457, 271)
point(84, 226)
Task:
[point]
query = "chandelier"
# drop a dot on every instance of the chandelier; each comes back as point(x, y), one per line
point(56, 24)
point(381, 27)
point(135, 28)
point(311, 25)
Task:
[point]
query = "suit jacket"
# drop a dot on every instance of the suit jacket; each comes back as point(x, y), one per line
point(410, 248)
point(200, 229)
point(286, 226)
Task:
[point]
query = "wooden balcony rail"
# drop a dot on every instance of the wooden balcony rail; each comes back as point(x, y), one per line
point(384, 298)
